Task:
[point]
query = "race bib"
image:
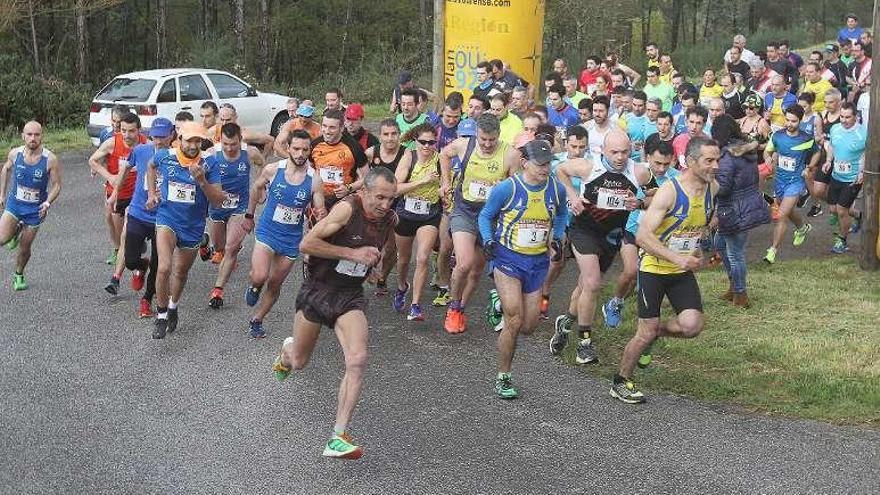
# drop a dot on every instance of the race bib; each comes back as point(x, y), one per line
point(416, 205)
point(351, 268)
point(843, 167)
point(331, 175)
point(27, 194)
point(230, 202)
point(179, 192)
point(532, 234)
point(479, 190)
point(287, 215)
point(787, 163)
point(611, 199)
point(684, 244)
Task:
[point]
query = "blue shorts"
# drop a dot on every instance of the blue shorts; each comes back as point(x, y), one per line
point(289, 250)
point(31, 219)
point(223, 215)
point(529, 269)
point(789, 189)
point(185, 239)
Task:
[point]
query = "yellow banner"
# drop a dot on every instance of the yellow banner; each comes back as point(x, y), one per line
point(478, 30)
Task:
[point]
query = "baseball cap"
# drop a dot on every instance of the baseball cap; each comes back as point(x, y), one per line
point(538, 151)
point(355, 111)
point(305, 111)
point(404, 77)
point(753, 100)
point(467, 127)
point(161, 128)
point(191, 130)
point(831, 47)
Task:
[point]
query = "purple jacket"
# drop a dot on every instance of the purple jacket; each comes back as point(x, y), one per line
point(739, 204)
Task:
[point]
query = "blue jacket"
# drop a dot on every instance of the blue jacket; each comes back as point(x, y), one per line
point(739, 203)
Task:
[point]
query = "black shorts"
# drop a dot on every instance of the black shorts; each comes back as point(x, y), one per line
point(629, 237)
point(584, 241)
point(680, 288)
point(820, 176)
point(323, 304)
point(408, 228)
point(121, 205)
point(843, 193)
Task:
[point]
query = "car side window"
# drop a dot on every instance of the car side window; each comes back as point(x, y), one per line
point(168, 93)
point(193, 88)
point(229, 87)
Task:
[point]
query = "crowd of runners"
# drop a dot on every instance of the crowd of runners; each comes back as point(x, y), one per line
point(453, 192)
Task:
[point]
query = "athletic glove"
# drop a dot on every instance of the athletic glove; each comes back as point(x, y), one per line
point(489, 249)
point(556, 246)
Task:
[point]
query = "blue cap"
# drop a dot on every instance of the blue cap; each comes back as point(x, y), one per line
point(467, 127)
point(305, 111)
point(161, 128)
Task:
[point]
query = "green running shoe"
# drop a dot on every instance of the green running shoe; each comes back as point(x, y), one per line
point(18, 282)
point(770, 257)
point(11, 244)
point(493, 310)
point(342, 447)
point(626, 392)
point(645, 360)
point(504, 387)
point(832, 220)
point(801, 234)
point(111, 260)
point(281, 371)
point(442, 298)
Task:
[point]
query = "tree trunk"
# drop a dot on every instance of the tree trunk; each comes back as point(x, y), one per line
point(675, 25)
point(344, 38)
point(696, 4)
point(38, 67)
point(238, 28)
point(263, 52)
point(161, 46)
point(81, 42)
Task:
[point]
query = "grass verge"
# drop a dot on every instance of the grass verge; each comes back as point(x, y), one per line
point(807, 348)
point(55, 139)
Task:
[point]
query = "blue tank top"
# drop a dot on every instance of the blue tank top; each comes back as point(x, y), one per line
point(184, 204)
point(235, 179)
point(30, 183)
point(286, 203)
point(140, 158)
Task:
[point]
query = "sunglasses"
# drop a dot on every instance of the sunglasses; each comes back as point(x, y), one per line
point(427, 142)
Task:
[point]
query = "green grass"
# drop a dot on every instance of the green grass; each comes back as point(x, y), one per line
point(57, 140)
point(809, 346)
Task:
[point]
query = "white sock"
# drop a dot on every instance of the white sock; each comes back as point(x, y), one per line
point(172, 304)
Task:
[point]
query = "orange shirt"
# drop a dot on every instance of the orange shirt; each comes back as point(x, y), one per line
point(121, 151)
point(337, 163)
point(310, 126)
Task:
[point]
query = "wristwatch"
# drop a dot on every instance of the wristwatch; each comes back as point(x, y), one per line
point(249, 216)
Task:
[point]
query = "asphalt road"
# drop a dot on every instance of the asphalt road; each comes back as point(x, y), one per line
point(91, 404)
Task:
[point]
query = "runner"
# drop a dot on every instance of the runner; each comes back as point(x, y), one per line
point(208, 112)
point(484, 163)
point(228, 223)
point(105, 162)
point(342, 248)
point(333, 100)
point(354, 118)
point(32, 174)
point(847, 148)
point(670, 233)
point(292, 188)
point(228, 115)
point(303, 120)
point(140, 223)
point(696, 123)
point(599, 127)
point(790, 151)
point(607, 195)
point(530, 215)
point(660, 157)
point(419, 212)
point(108, 132)
point(188, 184)
point(818, 180)
point(409, 115)
point(338, 158)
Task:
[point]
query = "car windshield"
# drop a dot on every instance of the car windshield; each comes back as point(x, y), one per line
point(124, 89)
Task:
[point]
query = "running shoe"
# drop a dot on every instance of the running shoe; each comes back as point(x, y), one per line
point(499, 326)
point(252, 295)
point(399, 300)
point(111, 260)
point(611, 312)
point(504, 388)
point(442, 298)
point(18, 282)
point(216, 300)
point(856, 225)
point(560, 335)
point(172, 320)
point(217, 257)
point(815, 210)
point(160, 329)
point(113, 287)
point(801, 234)
point(342, 446)
point(137, 280)
point(586, 352)
point(626, 391)
point(11, 244)
point(770, 257)
point(415, 313)
point(493, 309)
point(256, 329)
point(645, 360)
point(145, 310)
point(839, 246)
point(832, 220)
point(454, 322)
point(803, 199)
point(544, 306)
point(381, 288)
point(205, 251)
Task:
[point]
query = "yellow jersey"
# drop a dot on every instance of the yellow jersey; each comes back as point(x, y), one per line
point(681, 230)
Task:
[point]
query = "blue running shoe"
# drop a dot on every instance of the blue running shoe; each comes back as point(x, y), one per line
point(257, 331)
point(400, 299)
point(611, 312)
point(252, 295)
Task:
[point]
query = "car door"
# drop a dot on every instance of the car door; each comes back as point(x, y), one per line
point(167, 102)
point(253, 111)
point(193, 92)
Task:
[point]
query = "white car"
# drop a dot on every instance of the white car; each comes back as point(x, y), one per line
point(165, 92)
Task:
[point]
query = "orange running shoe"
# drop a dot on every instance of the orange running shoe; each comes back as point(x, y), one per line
point(145, 310)
point(217, 257)
point(216, 298)
point(137, 280)
point(455, 321)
